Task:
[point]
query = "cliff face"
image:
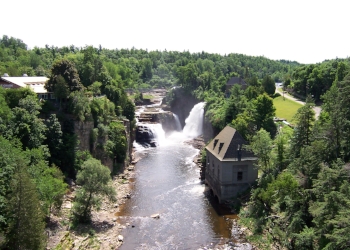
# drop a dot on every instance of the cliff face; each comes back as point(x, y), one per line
point(84, 131)
point(166, 118)
point(182, 106)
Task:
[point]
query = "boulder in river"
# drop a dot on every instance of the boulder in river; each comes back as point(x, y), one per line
point(155, 216)
point(120, 238)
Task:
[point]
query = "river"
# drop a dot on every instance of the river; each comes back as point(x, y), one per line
point(167, 183)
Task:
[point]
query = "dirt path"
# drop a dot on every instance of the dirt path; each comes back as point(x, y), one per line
point(317, 109)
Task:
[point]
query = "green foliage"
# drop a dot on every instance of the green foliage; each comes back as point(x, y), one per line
point(102, 110)
point(263, 113)
point(5, 111)
point(261, 145)
point(63, 69)
point(25, 123)
point(269, 85)
point(316, 79)
point(25, 220)
point(116, 145)
point(95, 88)
point(306, 239)
point(95, 182)
point(80, 105)
point(304, 120)
point(53, 140)
point(51, 189)
point(13, 96)
point(129, 110)
point(10, 157)
point(61, 89)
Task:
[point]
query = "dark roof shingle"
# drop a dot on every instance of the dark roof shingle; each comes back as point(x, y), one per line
point(228, 146)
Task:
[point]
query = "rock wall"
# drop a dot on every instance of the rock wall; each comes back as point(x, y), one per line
point(84, 131)
point(165, 118)
point(182, 104)
point(209, 132)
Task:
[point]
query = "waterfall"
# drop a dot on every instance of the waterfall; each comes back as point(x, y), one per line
point(194, 122)
point(150, 134)
point(177, 122)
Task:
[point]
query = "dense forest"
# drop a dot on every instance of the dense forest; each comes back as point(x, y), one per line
point(300, 200)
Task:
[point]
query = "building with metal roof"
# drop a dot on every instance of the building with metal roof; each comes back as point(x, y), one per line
point(35, 83)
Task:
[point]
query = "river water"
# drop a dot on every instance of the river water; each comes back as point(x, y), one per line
point(167, 183)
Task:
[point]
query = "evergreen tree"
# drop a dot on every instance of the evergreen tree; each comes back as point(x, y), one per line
point(26, 222)
point(269, 85)
point(304, 121)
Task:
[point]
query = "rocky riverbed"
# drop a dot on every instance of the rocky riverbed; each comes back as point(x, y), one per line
point(104, 232)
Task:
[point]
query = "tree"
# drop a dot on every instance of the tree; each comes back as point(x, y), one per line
point(12, 96)
point(61, 90)
point(26, 225)
point(269, 85)
point(95, 182)
point(91, 68)
point(129, 110)
point(116, 145)
point(5, 111)
point(95, 88)
point(54, 139)
point(10, 157)
point(67, 70)
point(304, 118)
point(263, 113)
point(51, 189)
point(80, 105)
point(331, 206)
point(261, 145)
point(25, 123)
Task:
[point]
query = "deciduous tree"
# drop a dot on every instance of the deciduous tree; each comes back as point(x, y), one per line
point(95, 182)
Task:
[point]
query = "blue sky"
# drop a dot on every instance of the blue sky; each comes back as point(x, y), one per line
point(306, 31)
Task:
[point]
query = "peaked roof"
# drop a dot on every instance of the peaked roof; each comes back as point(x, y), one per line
point(236, 80)
point(228, 146)
point(36, 83)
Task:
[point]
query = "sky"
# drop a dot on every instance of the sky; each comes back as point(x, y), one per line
point(306, 31)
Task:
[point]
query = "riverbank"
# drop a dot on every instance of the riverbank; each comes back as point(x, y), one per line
point(104, 232)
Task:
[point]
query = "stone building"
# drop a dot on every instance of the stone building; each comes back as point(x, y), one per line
point(230, 167)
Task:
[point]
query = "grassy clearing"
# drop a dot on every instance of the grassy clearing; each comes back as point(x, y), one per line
point(285, 108)
point(145, 96)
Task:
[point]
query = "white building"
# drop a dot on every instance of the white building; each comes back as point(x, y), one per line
point(35, 83)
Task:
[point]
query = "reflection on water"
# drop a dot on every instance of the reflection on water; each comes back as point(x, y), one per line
point(167, 183)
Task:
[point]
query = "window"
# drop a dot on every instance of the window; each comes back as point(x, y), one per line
point(239, 176)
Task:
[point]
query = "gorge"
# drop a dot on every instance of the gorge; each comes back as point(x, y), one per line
point(170, 207)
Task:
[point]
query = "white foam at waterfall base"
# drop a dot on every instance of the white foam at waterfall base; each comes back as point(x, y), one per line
point(194, 122)
point(158, 132)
